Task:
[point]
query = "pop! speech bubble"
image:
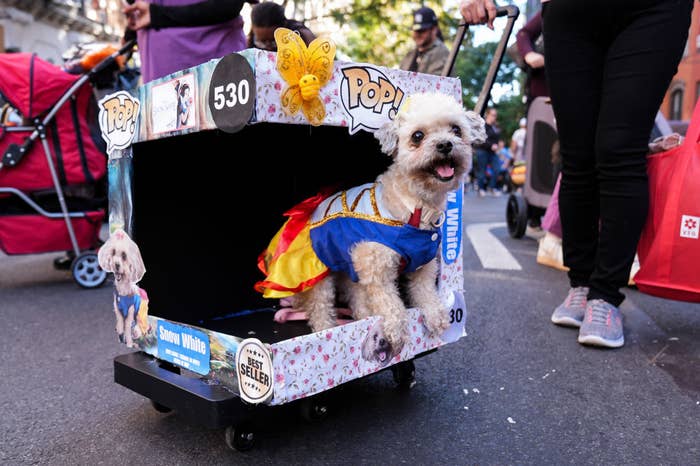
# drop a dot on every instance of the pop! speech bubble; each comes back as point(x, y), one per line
point(368, 97)
point(117, 117)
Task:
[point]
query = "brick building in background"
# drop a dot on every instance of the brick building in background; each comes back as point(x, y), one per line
point(684, 90)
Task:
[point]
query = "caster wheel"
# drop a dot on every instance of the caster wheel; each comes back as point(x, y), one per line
point(516, 215)
point(159, 407)
point(240, 438)
point(404, 374)
point(313, 409)
point(87, 272)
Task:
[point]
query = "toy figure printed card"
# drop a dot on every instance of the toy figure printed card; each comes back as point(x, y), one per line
point(172, 104)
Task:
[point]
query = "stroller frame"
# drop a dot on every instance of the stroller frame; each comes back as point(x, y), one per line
point(84, 267)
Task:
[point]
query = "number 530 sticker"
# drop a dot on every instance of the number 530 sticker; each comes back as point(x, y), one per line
point(457, 317)
point(232, 93)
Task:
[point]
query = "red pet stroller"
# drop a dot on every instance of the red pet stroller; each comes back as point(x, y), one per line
point(52, 163)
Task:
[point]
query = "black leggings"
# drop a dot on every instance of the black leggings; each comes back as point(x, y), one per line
point(608, 64)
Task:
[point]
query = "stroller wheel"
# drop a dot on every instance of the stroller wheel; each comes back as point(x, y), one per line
point(516, 215)
point(87, 271)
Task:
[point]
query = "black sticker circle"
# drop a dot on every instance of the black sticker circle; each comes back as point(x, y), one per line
point(232, 93)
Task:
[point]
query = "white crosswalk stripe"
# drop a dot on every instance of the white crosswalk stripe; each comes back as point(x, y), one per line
point(491, 252)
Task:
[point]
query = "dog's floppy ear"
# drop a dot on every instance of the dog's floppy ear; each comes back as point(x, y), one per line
point(104, 256)
point(137, 267)
point(388, 137)
point(477, 132)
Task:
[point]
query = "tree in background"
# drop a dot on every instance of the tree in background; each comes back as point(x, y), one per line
point(472, 65)
point(379, 32)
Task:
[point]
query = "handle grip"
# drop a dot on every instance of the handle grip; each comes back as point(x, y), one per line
point(113, 57)
point(511, 12)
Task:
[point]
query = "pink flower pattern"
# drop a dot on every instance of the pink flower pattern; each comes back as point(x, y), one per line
point(323, 360)
point(270, 85)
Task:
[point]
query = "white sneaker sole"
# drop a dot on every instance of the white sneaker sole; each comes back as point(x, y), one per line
point(566, 321)
point(595, 340)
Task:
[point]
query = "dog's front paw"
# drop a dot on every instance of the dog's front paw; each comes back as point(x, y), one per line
point(396, 336)
point(436, 321)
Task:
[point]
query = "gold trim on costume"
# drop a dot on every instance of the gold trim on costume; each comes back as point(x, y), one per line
point(349, 212)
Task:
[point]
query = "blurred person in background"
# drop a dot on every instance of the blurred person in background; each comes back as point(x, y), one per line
point(430, 52)
point(265, 18)
point(176, 34)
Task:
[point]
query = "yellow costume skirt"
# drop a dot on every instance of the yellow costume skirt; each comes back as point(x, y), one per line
point(289, 261)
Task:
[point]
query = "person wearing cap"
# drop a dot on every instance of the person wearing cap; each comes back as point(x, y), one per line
point(430, 54)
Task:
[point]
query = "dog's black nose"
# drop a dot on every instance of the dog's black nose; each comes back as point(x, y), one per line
point(444, 147)
point(382, 343)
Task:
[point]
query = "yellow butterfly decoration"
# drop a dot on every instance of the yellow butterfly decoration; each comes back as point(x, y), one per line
point(306, 71)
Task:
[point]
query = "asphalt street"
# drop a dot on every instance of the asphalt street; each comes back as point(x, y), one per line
point(516, 390)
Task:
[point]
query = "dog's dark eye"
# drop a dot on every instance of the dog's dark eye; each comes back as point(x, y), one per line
point(123, 256)
point(114, 252)
point(457, 131)
point(417, 137)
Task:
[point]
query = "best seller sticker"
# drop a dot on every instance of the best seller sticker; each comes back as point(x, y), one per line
point(254, 366)
point(118, 113)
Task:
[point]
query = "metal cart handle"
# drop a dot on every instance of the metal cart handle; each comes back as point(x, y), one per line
point(512, 12)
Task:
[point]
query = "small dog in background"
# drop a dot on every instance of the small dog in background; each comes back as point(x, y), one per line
point(376, 348)
point(121, 256)
point(359, 241)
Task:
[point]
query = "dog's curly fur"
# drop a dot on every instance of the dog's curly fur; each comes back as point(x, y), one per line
point(121, 256)
point(430, 141)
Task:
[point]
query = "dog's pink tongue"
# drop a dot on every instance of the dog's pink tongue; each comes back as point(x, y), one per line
point(445, 171)
point(382, 356)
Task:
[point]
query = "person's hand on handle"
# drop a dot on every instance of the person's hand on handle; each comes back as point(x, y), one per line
point(138, 15)
point(534, 59)
point(478, 12)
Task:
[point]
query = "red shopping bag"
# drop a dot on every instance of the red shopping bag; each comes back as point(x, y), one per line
point(669, 248)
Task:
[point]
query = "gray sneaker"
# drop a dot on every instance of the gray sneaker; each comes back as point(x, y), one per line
point(602, 325)
point(570, 312)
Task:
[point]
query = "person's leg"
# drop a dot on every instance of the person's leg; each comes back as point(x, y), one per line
point(575, 88)
point(482, 159)
point(639, 66)
point(495, 163)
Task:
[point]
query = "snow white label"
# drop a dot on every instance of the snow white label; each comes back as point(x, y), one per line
point(452, 227)
point(183, 346)
point(254, 366)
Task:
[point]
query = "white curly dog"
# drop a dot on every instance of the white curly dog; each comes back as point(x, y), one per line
point(369, 235)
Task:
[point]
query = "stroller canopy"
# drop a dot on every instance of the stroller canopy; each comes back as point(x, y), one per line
point(31, 84)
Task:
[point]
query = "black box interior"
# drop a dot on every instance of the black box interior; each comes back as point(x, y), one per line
point(206, 204)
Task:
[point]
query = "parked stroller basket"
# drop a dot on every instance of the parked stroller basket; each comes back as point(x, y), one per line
point(541, 171)
point(47, 203)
